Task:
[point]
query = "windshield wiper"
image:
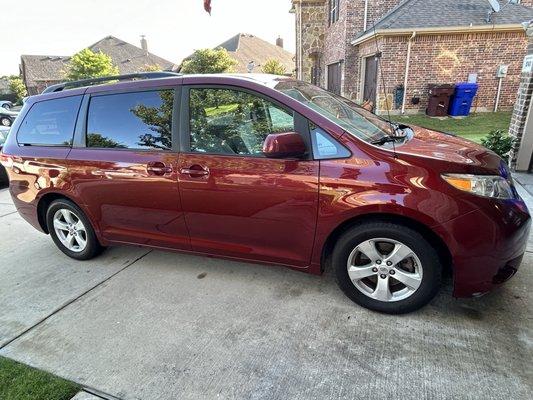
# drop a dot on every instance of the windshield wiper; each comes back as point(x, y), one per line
point(387, 139)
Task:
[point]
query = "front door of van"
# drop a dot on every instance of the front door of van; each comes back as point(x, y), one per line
point(125, 170)
point(238, 203)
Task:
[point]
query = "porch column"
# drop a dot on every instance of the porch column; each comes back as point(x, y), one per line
point(522, 121)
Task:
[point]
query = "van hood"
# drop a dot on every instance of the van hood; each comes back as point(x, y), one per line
point(446, 147)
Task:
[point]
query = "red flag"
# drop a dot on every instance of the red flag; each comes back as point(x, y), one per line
point(207, 6)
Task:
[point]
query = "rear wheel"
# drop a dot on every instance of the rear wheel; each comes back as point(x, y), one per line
point(4, 121)
point(387, 267)
point(71, 230)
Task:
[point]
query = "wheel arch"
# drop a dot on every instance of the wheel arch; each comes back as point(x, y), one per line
point(44, 203)
point(435, 240)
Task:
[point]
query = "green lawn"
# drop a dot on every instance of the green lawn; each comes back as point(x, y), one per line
point(20, 382)
point(473, 127)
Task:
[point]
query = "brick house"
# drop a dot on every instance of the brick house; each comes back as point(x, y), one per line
point(38, 72)
point(365, 48)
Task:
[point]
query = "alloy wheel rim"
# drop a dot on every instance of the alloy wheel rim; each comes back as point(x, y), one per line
point(6, 122)
point(70, 230)
point(385, 269)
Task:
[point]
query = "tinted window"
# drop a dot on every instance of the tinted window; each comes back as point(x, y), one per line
point(226, 121)
point(50, 122)
point(141, 120)
point(324, 146)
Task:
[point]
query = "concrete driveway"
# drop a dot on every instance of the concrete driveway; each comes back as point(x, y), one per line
point(140, 324)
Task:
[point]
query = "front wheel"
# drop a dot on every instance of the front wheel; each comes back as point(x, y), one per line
point(4, 121)
point(387, 267)
point(71, 230)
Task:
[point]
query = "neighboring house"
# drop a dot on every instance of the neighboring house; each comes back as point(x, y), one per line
point(38, 72)
point(365, 48)
point(246, 48)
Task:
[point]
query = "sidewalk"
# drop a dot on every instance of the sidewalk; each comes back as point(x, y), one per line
point(526, 180)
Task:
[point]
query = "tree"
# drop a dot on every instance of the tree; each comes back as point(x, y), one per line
point(88, 64)
point(159, 119)
point(97, 140)
point(16, 86)
point(274, 67)
point(208, 61)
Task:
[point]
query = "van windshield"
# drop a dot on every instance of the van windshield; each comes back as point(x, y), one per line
point(351, 117)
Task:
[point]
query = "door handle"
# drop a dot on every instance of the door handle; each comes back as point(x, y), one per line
point(195, 171)
point(158, 168)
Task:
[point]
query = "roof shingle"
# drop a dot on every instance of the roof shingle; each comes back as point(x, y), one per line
point(244, 48)
point(127, 57)
point(450, 13)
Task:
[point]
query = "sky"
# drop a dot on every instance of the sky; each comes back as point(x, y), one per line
point(173, 28)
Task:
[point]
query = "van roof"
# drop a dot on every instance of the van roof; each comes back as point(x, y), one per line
point(149, 79)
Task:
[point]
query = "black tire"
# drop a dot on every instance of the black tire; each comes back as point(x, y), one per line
point(6, 106)
point(92, 248)
point(430, 263)
point(5, 121)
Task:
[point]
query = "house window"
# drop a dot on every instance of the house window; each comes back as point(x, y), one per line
point(334, 6)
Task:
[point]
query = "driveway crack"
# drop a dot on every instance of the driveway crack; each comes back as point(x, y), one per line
point(69, 302)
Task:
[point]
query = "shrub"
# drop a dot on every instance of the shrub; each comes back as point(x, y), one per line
point(499, 142)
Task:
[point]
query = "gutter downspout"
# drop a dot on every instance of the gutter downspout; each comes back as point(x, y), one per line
point(407, 65)
point(498, 93)
point(365, 22)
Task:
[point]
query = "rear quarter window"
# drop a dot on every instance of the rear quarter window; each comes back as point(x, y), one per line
point(50, 122)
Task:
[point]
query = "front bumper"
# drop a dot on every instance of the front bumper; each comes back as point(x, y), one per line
point(486, 245)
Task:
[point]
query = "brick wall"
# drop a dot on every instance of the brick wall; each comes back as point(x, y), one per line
point(338, 36)
point(448, 59)
point(522, 106)
point(335, 36)
point(377, 9)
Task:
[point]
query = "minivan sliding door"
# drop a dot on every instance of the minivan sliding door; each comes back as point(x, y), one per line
point(125, 167)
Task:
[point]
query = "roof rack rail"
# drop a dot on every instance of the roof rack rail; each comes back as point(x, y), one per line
point(93, 81)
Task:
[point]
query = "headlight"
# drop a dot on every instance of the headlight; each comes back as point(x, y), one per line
point(483, 185)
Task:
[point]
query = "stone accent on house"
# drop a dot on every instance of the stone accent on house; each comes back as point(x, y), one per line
point(521, 125)
point(311, 20)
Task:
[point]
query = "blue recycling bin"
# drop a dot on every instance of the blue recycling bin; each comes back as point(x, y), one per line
point(462, 99)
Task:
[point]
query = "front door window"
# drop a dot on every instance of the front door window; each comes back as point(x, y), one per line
point(236, 201)
point(232, 122)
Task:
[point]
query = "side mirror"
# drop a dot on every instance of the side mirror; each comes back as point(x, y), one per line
point(283, 145)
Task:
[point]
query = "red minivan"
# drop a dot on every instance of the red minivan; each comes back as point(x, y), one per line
point(267, 169)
